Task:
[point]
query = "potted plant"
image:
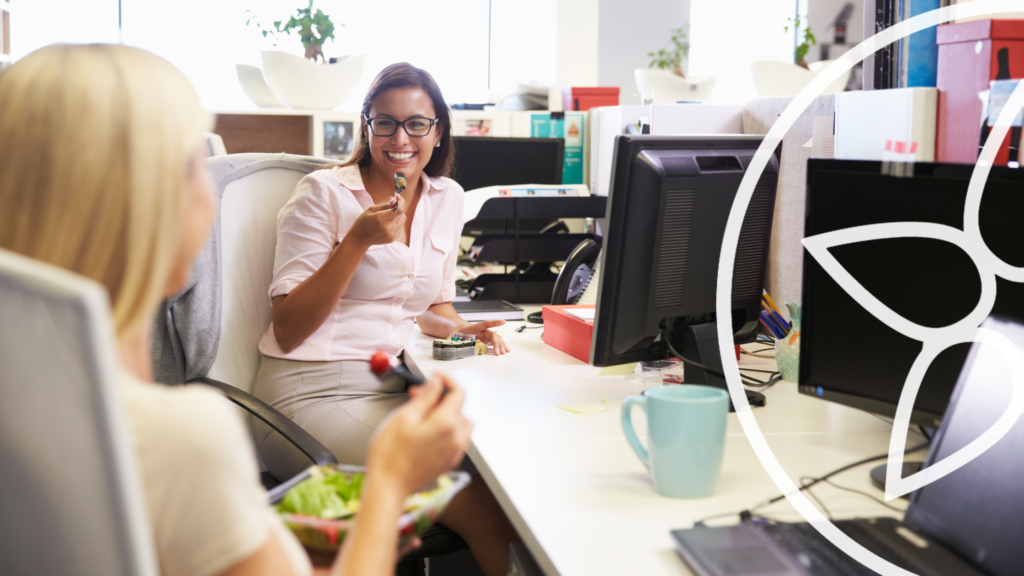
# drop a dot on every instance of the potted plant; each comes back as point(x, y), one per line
point(306, 81)
point(672, 58)
point(804, 47)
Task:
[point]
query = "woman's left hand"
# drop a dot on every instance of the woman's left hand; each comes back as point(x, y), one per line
point(482, 331)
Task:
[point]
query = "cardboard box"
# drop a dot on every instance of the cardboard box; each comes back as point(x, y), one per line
point(575, 98)
point(568, 333)
point(665, 120)
point(679, 119)
point(969, 58)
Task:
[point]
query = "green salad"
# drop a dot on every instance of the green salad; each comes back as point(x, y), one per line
point(332, 494)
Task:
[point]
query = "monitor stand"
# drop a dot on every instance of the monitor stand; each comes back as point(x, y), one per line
point(700, 344)
point(878, 475)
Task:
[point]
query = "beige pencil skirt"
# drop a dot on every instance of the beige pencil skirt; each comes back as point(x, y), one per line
point(340, 403)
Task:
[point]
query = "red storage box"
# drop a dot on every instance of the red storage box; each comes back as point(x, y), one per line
point(968, 60)
point(568, 333)
point(581, 99)
point(572, 335)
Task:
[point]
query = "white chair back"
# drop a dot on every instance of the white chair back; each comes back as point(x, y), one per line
point(72, 501)
point(248, 221)
point(669, 88)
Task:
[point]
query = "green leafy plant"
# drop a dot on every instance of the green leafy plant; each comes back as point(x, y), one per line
point(313, 29)
point(672, 58)
point(803, 48)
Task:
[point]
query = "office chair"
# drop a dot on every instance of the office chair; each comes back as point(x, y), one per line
point(254, 188)
point(72, 497)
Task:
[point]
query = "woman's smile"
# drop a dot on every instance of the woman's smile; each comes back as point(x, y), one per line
point(400, 157)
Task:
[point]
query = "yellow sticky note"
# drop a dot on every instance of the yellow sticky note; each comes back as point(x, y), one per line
point(620, 370)
point(586, 407)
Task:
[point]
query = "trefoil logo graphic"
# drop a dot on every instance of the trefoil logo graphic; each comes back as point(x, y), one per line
point(934, 340)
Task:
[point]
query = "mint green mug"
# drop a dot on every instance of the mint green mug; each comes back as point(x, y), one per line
point(686, 435)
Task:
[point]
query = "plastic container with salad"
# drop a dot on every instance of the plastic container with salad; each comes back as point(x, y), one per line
point(321, 509)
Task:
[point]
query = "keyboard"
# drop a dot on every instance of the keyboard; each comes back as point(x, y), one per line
point(808, 547)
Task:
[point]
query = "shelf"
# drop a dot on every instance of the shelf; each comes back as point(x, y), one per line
point(512, 208)
point(501, 248)
point(530, 288)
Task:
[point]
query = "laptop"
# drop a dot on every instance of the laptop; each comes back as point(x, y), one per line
point(969, 522)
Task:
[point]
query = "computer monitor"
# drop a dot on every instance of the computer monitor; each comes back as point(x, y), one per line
point(482, 161)
point(849, 356)
point(668, 205)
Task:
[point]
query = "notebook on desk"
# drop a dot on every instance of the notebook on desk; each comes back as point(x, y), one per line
point(969, 522)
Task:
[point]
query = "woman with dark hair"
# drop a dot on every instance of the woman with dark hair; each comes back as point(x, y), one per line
point(356, 263)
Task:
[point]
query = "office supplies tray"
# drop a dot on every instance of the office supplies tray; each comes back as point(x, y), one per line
point(501, 248)
point(516, 247)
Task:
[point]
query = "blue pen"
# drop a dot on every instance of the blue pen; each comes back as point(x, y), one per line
point(770, 324)
point(781, 325)
point(772, 332)
point(778, 329)
point(782, 322)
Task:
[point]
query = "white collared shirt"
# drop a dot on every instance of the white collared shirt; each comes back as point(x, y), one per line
point(393, 284)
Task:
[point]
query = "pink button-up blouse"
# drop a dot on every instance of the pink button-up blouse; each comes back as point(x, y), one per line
point(393, 284)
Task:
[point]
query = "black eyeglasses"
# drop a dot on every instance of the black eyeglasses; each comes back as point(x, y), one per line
point(417, 127)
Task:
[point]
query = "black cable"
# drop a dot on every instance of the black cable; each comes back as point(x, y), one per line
point(862, 493)
point(765, 384)
point(803, 487)
point(713, 372)
point(685, 361)
point(847, 467)
point(814, 496)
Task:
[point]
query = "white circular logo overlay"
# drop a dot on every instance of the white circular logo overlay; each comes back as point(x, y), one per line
point(934, 340)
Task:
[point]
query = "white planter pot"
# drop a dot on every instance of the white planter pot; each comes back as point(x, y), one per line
point(669, 88)
point(255, 87)
point(301, 83)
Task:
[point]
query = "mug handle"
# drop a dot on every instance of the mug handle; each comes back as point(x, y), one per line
point(627, 427)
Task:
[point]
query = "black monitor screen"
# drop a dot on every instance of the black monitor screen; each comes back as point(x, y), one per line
point(847, 354)
point(485, 161)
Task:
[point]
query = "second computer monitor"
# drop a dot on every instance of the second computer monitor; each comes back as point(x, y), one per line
point(847, 354)
point(482, 161)
point(668, 205)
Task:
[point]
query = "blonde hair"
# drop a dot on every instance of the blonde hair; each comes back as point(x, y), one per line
point(95, 141)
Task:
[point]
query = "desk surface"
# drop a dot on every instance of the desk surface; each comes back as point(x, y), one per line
point(582, 501)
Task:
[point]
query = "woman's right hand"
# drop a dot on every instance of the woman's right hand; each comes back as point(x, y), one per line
point(423, 439)
point(379, 224)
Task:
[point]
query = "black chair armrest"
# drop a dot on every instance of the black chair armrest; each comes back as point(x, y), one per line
point(291, 431)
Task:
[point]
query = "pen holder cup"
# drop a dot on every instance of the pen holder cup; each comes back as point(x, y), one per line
point(787, 349)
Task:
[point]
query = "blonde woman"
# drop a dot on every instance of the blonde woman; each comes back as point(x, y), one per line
point(102, 173)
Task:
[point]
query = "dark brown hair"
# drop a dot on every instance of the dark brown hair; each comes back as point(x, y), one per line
point(401, 75)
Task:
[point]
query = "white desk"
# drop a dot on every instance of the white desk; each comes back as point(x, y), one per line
point(582, 501)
